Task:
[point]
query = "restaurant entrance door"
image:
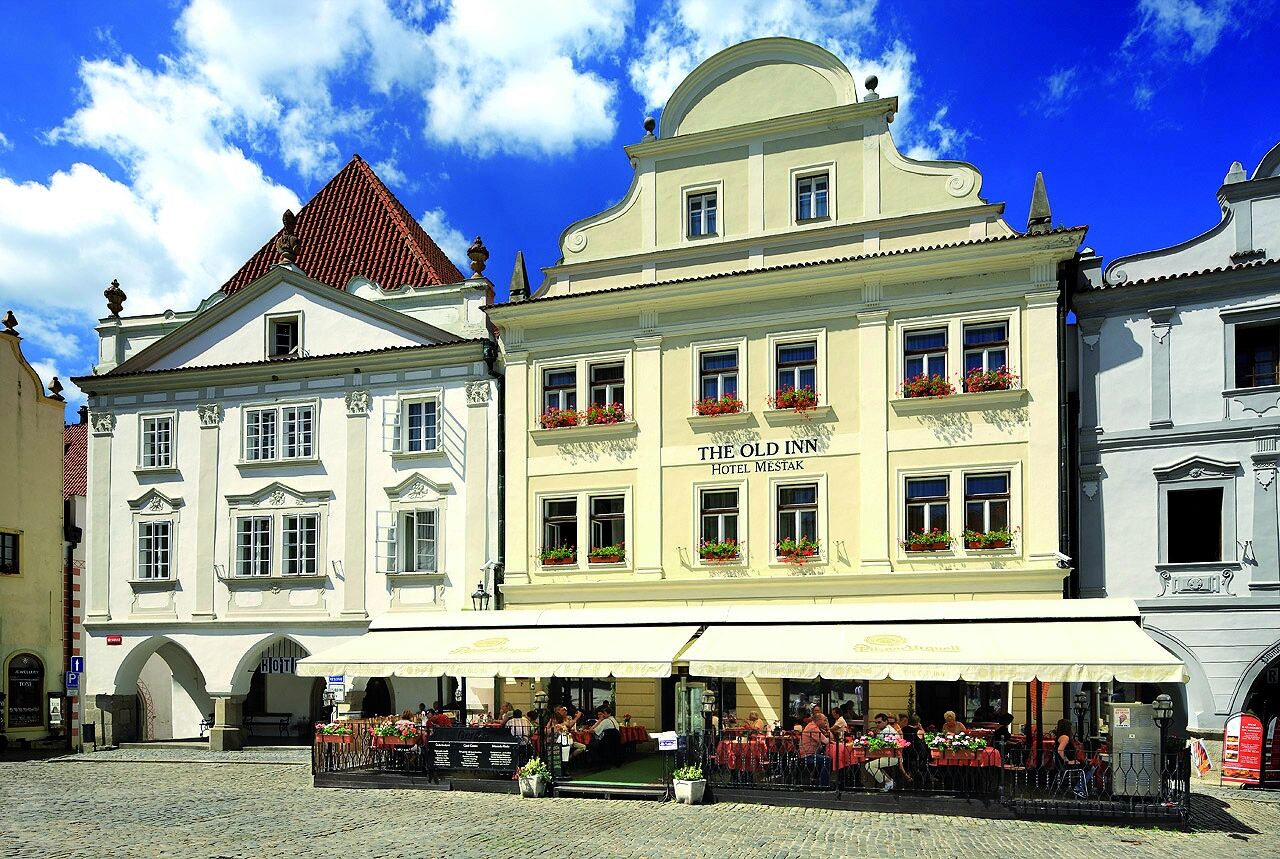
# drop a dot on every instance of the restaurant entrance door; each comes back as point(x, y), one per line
point(689, 707)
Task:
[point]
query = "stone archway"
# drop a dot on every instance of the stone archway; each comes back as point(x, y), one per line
point(158, 693)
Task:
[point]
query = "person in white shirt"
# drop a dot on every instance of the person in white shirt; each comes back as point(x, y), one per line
point(886, 730)
point(604, 721)
point(519, 726)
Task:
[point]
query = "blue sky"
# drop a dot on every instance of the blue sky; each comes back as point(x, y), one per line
point(158, 143)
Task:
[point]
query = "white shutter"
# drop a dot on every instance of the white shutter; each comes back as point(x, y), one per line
point(386, 543)
point(391, 425)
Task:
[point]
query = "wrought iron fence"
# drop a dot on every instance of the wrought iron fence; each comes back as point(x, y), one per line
point(360, 751)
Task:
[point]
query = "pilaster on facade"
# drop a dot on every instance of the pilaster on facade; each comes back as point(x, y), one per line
point(648, 401)
point(1090, 364)
point(1161, 393)
point(874, 532)
point(1265, 577)
point(101, 430)
point(354, 584)
point(210, 417)
point(518, 401)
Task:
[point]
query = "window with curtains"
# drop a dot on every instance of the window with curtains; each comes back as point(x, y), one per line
point(253, 546)
point(301, 544)
point(560, 388)
point(926, 504)
point(718, 511)
point(986, 346)
point(702, 212)
point(811, 197)
point(718, 374)
point(156, 450)
point(154, 549)
point(279, 432)
point(797, 365)
point(797, 510)
point(924, 353)
point(608, 385)
point(986, 502)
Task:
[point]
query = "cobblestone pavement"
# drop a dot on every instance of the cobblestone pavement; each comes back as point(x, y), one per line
point(174, 754)
point(117, 809)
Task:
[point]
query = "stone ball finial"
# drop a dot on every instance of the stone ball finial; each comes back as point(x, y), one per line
point(10, 323)
point(115, 298)
point(871, 83)
point(479, 255)
point(287, 243)
point(649, 125)
point(55, 389)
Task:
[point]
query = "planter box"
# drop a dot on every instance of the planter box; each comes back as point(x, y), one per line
point(928, 547)
point(334, 739)
point(533, 786)
point(393, 742)
point(559, 562)
point(690, 792)
point(731, 559)
point(959, 754)
point(606, 559)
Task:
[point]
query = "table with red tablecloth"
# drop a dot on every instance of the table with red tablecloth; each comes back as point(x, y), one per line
point(848, 756)
point(629, 733)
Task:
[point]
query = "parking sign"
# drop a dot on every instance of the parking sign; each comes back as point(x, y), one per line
point(71, 682)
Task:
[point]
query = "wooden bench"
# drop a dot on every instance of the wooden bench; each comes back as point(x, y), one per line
point(278, 721)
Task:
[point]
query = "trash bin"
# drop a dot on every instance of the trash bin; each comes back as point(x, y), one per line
point(90, 731)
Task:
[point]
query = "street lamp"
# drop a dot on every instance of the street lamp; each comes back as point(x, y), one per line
point(1162, 715)
point(480, 598)
point(540, 701)
point(1081, 707)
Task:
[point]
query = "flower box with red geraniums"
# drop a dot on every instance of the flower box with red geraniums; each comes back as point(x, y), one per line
point(927, 386)
point(997, 538)
point(334, 733)
point(726, 405)
point(608, 554)
point(401, 732)
point(554, 418)
point(597, 414)
point(798, 400)
point(716, 551)
point(935, 540)
point(798, 551)
point(999, 379)
point(558, 556)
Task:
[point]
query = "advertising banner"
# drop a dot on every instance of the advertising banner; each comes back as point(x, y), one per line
point(1242, 749)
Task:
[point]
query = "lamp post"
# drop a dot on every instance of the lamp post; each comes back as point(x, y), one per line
point(480, 598)
point(1081, 706)
point(708, 708)
point(540, 701)
point(1162, 715)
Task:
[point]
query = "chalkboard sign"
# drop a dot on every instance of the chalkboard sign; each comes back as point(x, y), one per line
point(492, 749)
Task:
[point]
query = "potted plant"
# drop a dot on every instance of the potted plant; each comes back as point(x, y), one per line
point(337, 733)
point(799, 400)
point(933, 540)
point(691, 787)
point(719, 550)
point(726, 405)
point(558, 556)
point(927, 386)
point(554, 418)
point(400, 732)
point(608, 554)
point(996, 538)
point(798, 551)
point(534, 778)
point(999, 379)
point(611, 413)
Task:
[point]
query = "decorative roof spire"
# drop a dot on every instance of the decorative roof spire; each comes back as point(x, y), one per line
point(1040, 218)
point(115, 298)
point(479, 255)
point(10, 323)
point(55, 390)
point(871, 83)
point(649, 125)
point(520, 279)
point(287, 243)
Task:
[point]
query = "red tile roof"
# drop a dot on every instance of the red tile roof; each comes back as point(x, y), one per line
point(355, 226)
point(75, 460)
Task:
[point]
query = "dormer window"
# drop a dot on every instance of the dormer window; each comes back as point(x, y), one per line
point(284, 336)
point(702, 210)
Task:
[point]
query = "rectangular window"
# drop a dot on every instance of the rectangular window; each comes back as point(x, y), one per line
point(560, 388)
point(1194, 525)
point(284, 337)
point(259, 434)
point(559, 523)
point(797, 365)
point(296, 432)
point(421, 426)
point(9, 553)
point(607, 385)
point(608, 521)
point(798, 512)
point(925, 353)
point(811, 197)
point(157, 442)
point(1257, 355)
point(153, 549)
point(253, 546)
point(702, 214)
point(301, 542)
point(718, 509)
point(986, 346)
point(718, 374)
point(420, 530)
point(926, 504)
point(986, 502)
point(287, 432)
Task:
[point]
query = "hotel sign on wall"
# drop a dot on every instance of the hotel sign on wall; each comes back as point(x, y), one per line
point(757, 456)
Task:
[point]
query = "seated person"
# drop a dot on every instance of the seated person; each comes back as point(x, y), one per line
point(505, 712)
point(754, 722)
point(813, 747)
point(917, 756)
point(985, 713)
point(520, 727)
point(886, 730)
point(423, 714)
point(1000, 736)
point(951, 725)
point(839, 727)
point(606, 737)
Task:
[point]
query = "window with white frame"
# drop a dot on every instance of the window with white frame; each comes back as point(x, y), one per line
point(608, 385)
point(154, 549)
point(702, 210)
point(559, 523)
point(253, 546)
point(811, 197)
point(421, 534)
point(986, 502)
point(421, 426)
point(284, 336)
point(560, 388)
point(718, 373)
point(924, 353)
point(608, 521)
point(718, 514)
point(797, 509)
point(156, 449)
point(797, 365)
point(986, 346)
point(301, 543)
point(279, 432)
point(926, 504)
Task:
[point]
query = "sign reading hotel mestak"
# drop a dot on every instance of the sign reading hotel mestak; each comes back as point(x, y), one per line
point(757, 456)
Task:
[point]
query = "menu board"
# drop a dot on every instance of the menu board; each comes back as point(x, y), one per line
point(484, 755)
point(1242, 749)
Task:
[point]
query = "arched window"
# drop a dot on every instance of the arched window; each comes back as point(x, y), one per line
point(25, 701)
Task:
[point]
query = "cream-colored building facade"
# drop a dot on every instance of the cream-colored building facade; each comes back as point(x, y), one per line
point(31, 564)
point(774, 233)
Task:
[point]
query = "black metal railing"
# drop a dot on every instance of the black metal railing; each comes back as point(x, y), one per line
point(434, 751)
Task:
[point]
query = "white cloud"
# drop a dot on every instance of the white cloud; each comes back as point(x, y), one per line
point(1185, 25)
point(5, 145)
point(689, 31)
point(47, 369)
point(450, 239)
point(1058, 89)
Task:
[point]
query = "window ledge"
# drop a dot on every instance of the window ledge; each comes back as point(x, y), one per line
point(608, 565)
point(980, 400)
point(783, 417)
point(410, 578)
point(779, 564)
point(277, 463)
point(820, 219)
point(274, 582)
point(942, 555)
point(1242, 392)
point(418, 454)
point(1199, 567)
point(712, 422)
point(1009, 551)
point(143, 471)
point(168, 584)
point(728, 563)
point(582, 432)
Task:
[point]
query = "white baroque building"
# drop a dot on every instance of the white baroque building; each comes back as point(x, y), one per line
point(312, 447)
point(1179, 362)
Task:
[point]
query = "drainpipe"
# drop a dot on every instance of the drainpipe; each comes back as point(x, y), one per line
point(1066, 436)
point(499, 568)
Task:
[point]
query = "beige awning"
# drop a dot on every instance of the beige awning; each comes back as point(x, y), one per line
point(1067, 651)
point(539, 651)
